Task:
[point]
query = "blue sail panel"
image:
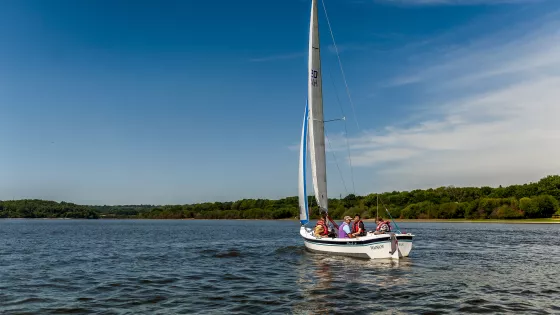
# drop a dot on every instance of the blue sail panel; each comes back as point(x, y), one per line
point(303, 206)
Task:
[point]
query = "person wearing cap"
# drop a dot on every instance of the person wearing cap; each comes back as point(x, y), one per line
point(344, 228)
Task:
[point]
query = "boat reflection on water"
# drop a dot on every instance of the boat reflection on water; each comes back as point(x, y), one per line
point(385, 273)
point(332, 283)
point(315, 281)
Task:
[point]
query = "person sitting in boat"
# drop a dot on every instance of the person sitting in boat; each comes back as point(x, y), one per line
point(382, 226)
point(322, 229)
point(358, 228)
point(344, 228)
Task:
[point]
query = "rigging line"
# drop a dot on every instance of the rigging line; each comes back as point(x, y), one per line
point(340, 64)
point(334, 155)
point(345, 131)
point(349, 158)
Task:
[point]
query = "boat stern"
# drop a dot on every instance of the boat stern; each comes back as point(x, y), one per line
point(405, 243)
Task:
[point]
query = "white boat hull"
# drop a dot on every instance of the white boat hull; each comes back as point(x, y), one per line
point(370, 246)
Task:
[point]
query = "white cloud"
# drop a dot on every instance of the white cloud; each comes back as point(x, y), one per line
point(499, 118)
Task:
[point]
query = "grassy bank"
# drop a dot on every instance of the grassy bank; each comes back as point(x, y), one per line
point(369, 221)
point(520, 221)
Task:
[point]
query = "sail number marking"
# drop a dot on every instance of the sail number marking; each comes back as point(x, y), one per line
point(314, 75)
point(376, 246)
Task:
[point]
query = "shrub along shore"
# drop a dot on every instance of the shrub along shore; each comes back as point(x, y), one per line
point(527, 201)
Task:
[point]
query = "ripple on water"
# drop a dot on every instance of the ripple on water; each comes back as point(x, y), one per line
point(288, 251)
point(235, 277)
point(29, 300)
point(84, 299)
point(228, 254)
point(157, 281)
point(68, 310)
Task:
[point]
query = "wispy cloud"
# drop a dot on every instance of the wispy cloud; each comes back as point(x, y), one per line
point(494, 119)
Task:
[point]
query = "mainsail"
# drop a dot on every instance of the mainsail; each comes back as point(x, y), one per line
point(316, 120)
point(303, 208)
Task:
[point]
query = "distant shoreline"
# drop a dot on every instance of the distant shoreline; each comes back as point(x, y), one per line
point(505, 221)
point(511, 204)
point(517, 221)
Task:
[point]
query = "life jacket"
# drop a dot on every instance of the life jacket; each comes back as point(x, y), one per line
point(356, 228)
point(380, 226)
point(325, 227)
point(341, 233)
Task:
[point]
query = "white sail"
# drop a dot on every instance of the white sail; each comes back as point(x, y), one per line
point(303, 208)
point(316, 120)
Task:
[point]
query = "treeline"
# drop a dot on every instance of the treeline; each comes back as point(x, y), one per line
point(35, 208)
point(533, 200)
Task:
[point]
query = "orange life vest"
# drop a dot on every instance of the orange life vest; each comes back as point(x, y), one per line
point(356, 227)
point(325, 227)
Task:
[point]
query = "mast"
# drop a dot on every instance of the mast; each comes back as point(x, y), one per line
point(316, 120)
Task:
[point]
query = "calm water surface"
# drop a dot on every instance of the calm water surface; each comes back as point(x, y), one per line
point(258, 267)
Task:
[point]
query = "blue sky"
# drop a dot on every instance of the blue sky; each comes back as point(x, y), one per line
point(164, 102)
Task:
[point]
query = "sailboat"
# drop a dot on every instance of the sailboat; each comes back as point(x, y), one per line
point(393, 245)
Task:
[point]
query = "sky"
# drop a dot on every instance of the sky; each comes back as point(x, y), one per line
point(173, 102)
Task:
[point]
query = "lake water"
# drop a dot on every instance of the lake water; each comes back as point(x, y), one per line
point(257, 267)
